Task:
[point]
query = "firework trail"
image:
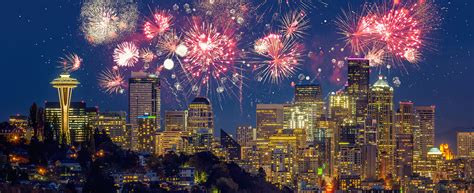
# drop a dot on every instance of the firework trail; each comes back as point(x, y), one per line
point(70, 62)
point(294, 25)
point(277, 58)
point(126, 54)
point(112, 81)
point(103, 21)
point(160, 23)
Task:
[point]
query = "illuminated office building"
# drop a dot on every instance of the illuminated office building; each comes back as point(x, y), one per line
point(380, 112)
point(341, 108)
point(176, 121)
point(284, 147)
point(465, 142)
point(167, 141)
point(358, 86)
point(201, 123)
point(269, 119)
point(115, 125)
point(146, 134)
point(64, 83)
point(143, 98)
point(78, 120)
point(426, 116)
point(349, 152)
point(245, 135)
point(310, 100)
point(230, 146)
point(297, 117)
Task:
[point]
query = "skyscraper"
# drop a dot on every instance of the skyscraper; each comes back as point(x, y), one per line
point(64, 83)
point(269, 119)
point(231, 147)
point(201, 123)
point(176, 121)
point(380, 111)
point(358, 86)
point(146, 133)
point(310, 106)
point(426, 116)
point(405, 125)
point(144, 98)
point(465, 142)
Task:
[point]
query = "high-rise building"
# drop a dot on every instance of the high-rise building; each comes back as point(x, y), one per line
point(115, 125)
point(146, 134)
point(465, 141)
point(369, 162)
point(201, 123)
point(358, 86)
point(426, 116)
point(405, 125)
point(144, 98)
point(78, 120)
point(176, 121)
point(309, 100)
point(64, 83)
point(269, 119)
point(245, 135)
point(380, 112)
point(231, 147)
point(349, 152)
point(284, 149)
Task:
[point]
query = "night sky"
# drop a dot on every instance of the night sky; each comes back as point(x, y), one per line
point(36, 33)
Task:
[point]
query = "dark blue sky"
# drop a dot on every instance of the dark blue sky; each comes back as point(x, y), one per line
point(36, 33)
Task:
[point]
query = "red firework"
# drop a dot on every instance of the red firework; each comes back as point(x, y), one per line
point(400, 30)
point(210, 52)
point(160, 23)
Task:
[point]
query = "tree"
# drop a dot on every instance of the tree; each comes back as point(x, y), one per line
point(33, 122)
point(98, 182)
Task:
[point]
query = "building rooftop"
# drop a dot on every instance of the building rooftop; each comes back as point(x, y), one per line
point(201, 100)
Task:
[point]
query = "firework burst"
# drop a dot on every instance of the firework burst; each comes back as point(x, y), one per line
point(126, 54)
point(402, 29)
point(226, 12)
point(105, 20)
point(112, 81)
point(70, 62)
point(376, 57)
point(210, 57)
point(278, 60)
point(168, 44)
point(160, 23)
point(147, 55)
point(294, 25)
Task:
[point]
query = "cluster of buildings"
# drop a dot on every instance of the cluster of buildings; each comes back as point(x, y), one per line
point(357, 138)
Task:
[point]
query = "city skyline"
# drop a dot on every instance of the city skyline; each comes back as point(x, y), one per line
point(438, 75)
point(237, 96)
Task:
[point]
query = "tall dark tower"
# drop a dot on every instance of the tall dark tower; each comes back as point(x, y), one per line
point(358, 86)
point(144, 98)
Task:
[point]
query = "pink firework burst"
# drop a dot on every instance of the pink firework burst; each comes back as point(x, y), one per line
point(278, 58)
point(126, 54)
point(211, 52)
point(112, 81)
point(160, 23)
